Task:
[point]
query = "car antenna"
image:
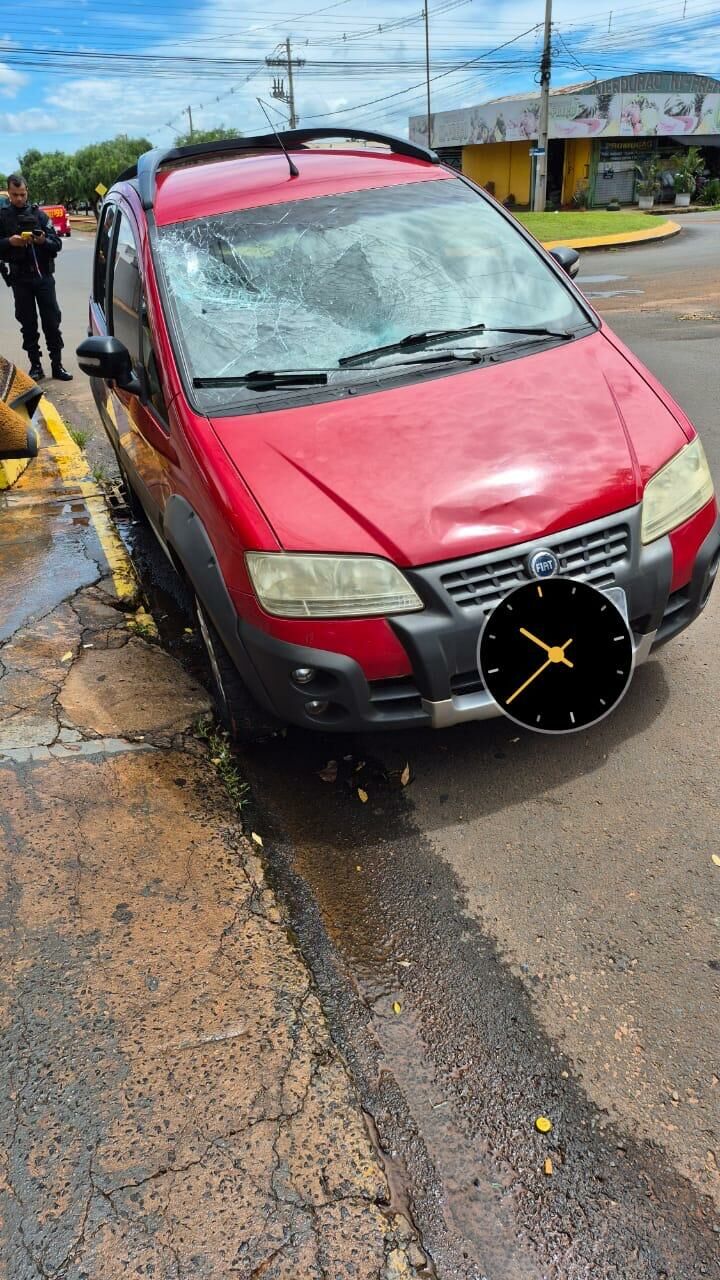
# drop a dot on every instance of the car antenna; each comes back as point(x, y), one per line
point(294, 171)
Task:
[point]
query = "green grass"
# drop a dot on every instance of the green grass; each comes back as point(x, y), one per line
point(100, 474)
point(571, 226)
point(80, 438)
point(221, 757)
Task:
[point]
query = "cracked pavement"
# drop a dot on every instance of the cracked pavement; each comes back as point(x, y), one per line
point(173, 1103)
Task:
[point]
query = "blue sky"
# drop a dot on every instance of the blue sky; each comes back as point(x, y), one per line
point(73, 75)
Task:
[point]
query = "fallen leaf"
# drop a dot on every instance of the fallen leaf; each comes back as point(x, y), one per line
point(716, 859)
point(406, 964)
point(405, 775)
point(363, 795)
point(547, 1167)
point(67, 657)
point(188, 631)
point(543, 1125)
point(397, 1007)
point(358, 867)
point(329, 773)
point(256, 838)
point(216, 760)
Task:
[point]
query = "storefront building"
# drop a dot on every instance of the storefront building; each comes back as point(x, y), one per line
point(598, 133)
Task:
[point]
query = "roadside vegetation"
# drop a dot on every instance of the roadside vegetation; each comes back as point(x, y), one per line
point(577, 225)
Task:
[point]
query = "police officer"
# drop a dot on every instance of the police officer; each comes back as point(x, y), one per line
point(29, 245)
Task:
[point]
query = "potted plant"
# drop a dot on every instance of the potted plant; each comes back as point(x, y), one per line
point(648, 183)
point(687, 168)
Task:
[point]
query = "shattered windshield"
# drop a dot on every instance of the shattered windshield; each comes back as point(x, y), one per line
point(304, 284)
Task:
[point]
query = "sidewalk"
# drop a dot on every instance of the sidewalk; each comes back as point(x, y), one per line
point(173, 1103)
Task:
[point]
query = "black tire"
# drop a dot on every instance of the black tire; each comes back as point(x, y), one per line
point(236, 709)
point(134, 505)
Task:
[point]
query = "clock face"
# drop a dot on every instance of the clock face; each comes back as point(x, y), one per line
point(556, 655)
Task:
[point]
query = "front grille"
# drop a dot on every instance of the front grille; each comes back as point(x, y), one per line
point(396, 695)
point(466, 682)
point(592, 557)
point(677, 601)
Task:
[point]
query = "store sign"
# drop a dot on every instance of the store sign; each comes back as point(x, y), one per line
point(575, 115)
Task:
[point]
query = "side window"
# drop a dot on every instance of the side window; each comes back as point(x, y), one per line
point(126, 290)
point(102, 250)
point(154, 387)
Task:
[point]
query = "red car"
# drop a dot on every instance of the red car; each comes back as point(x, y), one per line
point(359, 405)
point(58, 215)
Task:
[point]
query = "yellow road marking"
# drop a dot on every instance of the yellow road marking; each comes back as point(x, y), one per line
point(11, 469)
point(661, 232)
point(72, 465)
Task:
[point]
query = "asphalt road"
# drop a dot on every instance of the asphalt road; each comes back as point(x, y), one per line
point(530, 927)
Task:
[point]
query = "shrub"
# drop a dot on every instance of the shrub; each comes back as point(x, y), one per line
point(711, 192)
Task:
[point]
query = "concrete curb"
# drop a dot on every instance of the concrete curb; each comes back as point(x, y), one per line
point(623, 240)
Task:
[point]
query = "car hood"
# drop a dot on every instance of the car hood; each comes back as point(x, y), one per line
point(459, 464)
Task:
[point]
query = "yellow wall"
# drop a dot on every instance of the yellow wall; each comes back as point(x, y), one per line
point(577, 166)
point(507, 164)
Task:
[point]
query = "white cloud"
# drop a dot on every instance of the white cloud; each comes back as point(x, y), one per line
point(28, 121)
point(11, 81)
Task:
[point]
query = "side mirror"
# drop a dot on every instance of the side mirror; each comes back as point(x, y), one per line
point(107, 358)
point(568, 259)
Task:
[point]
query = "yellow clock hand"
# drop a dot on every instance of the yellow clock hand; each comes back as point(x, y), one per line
point(555, 654)
point(529, 636)
point(552, 650)
point(524, 686)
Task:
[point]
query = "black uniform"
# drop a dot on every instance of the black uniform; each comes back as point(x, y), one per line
point(31, 273)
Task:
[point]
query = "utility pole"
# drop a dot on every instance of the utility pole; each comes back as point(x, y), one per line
point(291, 91)
point(545, 66)
point(427, 74)
point(278, 90)
point(189, 116)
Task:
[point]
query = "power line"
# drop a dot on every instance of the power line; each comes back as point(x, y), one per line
point(401, 92)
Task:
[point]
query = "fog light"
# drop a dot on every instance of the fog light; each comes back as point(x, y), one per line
point(316, 707)
point(303, 675)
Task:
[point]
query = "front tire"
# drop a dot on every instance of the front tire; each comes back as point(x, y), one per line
point(236, 709)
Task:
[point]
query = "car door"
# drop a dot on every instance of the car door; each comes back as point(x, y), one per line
point(138, 423)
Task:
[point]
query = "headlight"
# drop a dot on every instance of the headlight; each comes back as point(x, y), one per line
point(676, 492)
point(305, 586)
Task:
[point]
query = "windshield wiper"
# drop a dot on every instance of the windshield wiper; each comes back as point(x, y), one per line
point(431, 336)
point(265, 379)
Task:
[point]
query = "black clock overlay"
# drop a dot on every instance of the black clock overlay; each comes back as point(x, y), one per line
point(556, 655)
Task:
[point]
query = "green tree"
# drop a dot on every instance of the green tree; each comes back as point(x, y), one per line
point(206, 135)
point(27, 164)
point(103, 162)
point(51, 176)
point(3, 182)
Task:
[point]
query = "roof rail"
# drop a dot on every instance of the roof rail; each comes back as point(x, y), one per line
point(146, 169)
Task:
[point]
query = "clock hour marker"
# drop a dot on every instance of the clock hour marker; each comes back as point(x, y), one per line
point(603, 703)
point(572, 593)
point(538, 719)
point(493, 671)
point(572, 718)
point(603, 608)
point(620, 671)
point(540, 592)
point(618, 637)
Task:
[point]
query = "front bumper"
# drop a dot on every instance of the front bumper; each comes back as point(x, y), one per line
point(445, 687)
